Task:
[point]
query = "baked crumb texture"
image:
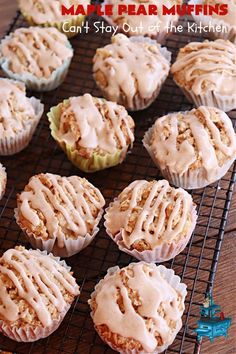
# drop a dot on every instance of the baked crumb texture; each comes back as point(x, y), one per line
point(138, 309)
point(148, 215)
point(36, 291)
point(59, 209)
point(92, 125)
point(130, 72)
point(36, 51)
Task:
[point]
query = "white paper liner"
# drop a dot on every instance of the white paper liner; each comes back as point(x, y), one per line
point(215, 22)
point(31, 81)
point(71, 246)
point(161, 253)
point(31, 333)
point(191, 179)
point(172, 279)
point(14, 144)
point(140, 103)
point(3, 180)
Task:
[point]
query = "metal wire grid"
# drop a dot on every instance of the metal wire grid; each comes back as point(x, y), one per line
point(196, 264)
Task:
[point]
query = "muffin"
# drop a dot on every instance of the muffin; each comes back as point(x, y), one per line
point(153, 26)
point(94, 133)
point(206, 73)
point(3, 180)
point(59, 214)
point(151, 221)
point(37, 290)
point(138, 309)
point(226, 22)
point(19, 116)
point(131, 71)
point(47, 13)
point(40, 57)
point(194, 148)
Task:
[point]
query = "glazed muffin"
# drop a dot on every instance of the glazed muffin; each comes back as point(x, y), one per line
point(194, 148)
point(94, 133)
point(3, 180)
point(37, 290)
point(138, 309)
point(226, 22)
point(40, 57)
point(153, 26)
point(131, 71)
point(59, 214)
point(48, 13)
point(19, 116)
point(151, 221)
point(206, 73)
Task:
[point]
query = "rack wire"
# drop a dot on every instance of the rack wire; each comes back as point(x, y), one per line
point(196, 265)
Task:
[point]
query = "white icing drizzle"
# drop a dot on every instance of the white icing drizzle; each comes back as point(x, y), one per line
point(30, 272)
point(154, 291)
point(36, 50)
point(43, 11)
point(207, 66)
point(157, 23)
point(16, 110)
point(230, 16)
point(151, 218)
point(95, 129)
point(179, 159)
point(131, 68)
point(64, 204)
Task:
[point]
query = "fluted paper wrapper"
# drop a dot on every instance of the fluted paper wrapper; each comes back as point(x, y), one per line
point(3, 180)
point(14, 144)
point(161, 253)
point(191, 179)
point(32, 333)
point(172, 279)
point(70, 246)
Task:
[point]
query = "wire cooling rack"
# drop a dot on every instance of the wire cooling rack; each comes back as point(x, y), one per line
point(196, 265)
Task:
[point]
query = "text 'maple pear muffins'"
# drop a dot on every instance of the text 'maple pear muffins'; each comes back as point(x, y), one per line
point(217, 21)
point(40, 57)
point(194, 148)
point(138, 309)
point(131, 71)
point(19, 116)
point(59, 214)
point(36, 292)
point(3, 180)
point(152, 26)
point(151, 221)
point(206, 73)
point(94, 133)
point(48, 13)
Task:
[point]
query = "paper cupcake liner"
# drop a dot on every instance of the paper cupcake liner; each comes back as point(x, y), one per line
point(191, 179)
point(31, 81)
point(70, 246)
point(14, 144)
point(92, 164)
point(215, 22)
point(3, 180)
point(33, 333)
point(172, 279)
point(161, 253)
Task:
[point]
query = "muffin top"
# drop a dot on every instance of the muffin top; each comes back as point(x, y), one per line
point(35, 288)
point(207, 66)
point(200, 138)
point(138, 308)
point(130, 66)
point(90, 124)
point(16, 110)
point(36, 51)
point(52, 206)
point(149, 25)
point(150, 213)
point(42, 11)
